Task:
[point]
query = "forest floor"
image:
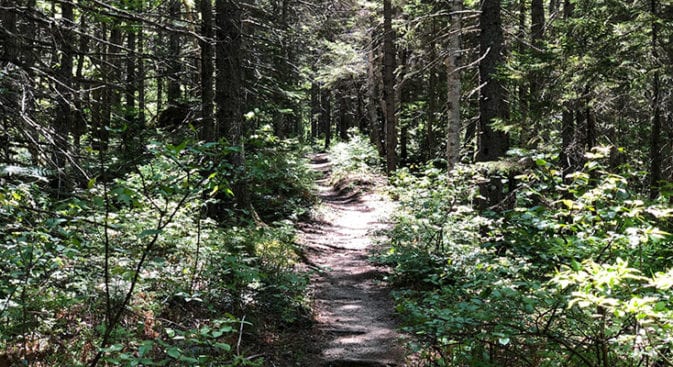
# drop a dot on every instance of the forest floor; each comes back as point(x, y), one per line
point(354, 322)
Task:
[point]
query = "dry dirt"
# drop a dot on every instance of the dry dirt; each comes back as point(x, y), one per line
point(353, 311)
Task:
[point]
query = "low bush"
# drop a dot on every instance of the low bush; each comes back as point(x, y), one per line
point(131, 272)
point(576, 273)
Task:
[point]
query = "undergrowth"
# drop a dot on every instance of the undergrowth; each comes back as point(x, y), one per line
point(575, 271)
point(133, 272)
point(355, 163)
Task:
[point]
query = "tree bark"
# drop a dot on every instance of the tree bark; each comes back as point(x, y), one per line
point(315, 110)
point(655, 139)
point(208, 126)
point(326, 115)
point(535, 98)
point(229, 89)
point(491, 143)
point(173, 92)
point(454, 86)
point(389, 88)
point(344, 121)
point(374, 98)
point(63, 119)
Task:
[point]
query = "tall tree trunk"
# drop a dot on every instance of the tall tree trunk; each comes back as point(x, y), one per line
point(655, 140)
point(389, 88)
point(174, 69)
point(140, 82)
point(429, 143)
point(63, 120)
point(524, 97)
point(131, 132)
point(11, 49)
point(208, 127)
point(537, 38)
point(326, 115)
point(315, 110)
point(491, 143)
point(344, 121)
point(373, 97)
point(229, 88)
point(454, 86)
point(360, 111)
point(567, 155)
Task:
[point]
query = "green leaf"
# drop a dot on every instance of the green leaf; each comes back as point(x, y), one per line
point(174, 352)
point(223, 346)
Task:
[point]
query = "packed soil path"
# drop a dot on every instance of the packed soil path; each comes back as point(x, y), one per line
point(353, 310)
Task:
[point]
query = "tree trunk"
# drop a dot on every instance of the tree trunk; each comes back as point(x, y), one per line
point(326, 115)
point(567, 155)
point(315, 110)
point(389, 88)
point(208, 127)
point(63, 119)
point(524, 105)
point(537, 38)
point(344, 121)
point(173, 92)
point(229, 89)
point(10, 45)
point(454, 86)
point(655, 140)
point(374, 98)
point(130, 133)
point(491, 143)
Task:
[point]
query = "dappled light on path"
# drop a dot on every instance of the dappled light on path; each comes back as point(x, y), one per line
point(353, 309)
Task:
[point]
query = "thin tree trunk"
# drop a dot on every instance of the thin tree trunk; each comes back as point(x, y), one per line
point(389, 88)
point(63, 120)
point(326, 115)
point(208, 129)
point(174, 93)
point(344, 122)
point(454, 86)
point(315, 110)
point(524, 100)
point(655, 140)
point(428, 148)
point(537, 38)
point(374, 98)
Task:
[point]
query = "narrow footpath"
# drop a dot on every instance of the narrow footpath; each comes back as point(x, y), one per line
point(353, 310)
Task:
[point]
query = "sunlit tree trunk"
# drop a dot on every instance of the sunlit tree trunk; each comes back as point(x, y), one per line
point(454, 85)
point(389, 88)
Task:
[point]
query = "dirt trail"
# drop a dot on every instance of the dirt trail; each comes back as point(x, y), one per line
point(355, 325)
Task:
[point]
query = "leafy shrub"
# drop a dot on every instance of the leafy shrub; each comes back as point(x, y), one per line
point(576, 274)
point(355, 157)
point(133, 270)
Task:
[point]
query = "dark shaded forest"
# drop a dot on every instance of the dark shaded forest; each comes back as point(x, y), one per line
point(153, 171)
